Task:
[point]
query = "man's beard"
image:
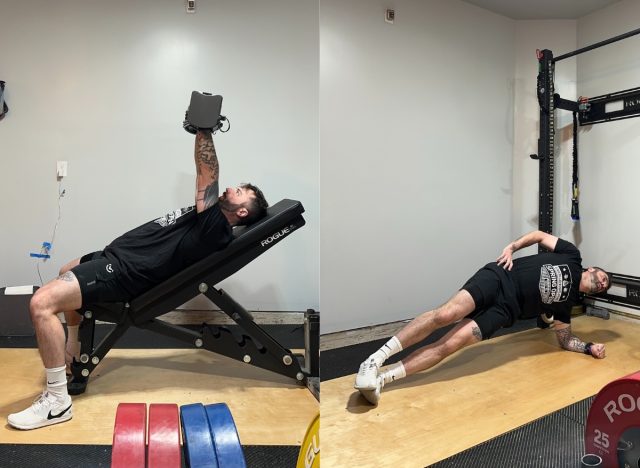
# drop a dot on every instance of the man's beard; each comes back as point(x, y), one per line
point(226, 205)
point(594, 282)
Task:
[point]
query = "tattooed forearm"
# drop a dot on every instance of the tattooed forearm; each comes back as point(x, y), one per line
point(476, 332)
point(569, 342)
point(68, 276)
point(207, 168)
point(206, 157)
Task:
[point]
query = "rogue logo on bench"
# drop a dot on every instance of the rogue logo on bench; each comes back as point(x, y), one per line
point(277, 235)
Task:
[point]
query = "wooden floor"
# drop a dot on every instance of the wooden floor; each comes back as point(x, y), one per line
point(479, 393)
point(268, 409)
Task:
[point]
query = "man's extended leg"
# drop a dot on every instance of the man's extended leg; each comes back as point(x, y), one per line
point(463, 334)
point(456, 308)
point(54, 405)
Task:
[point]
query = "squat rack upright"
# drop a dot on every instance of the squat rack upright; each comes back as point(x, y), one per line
point(590, 111)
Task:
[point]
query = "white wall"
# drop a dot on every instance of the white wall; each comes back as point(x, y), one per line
point(104, 86)
point(416, 149)
point(609, 163)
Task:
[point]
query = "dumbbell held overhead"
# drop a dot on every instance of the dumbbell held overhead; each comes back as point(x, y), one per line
point(203, 113)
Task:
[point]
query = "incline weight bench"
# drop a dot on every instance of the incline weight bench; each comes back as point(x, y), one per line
point(253, 345)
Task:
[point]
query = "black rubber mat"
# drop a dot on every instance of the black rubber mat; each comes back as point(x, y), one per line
point(54, 456)
point(271, 456)
point(89, 456)
point(553, 441)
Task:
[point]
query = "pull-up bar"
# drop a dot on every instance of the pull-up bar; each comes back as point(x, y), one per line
point(597, 44)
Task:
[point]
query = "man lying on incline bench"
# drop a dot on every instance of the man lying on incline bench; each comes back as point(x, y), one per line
point(495, 297)
point(130, 265)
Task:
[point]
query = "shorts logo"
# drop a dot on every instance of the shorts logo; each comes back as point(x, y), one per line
point(109, 268)
point(555, 283)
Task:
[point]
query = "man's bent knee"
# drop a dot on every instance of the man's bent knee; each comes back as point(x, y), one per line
point(56, 296)
point(458, 307)
point(444, 315)
point(40, 305)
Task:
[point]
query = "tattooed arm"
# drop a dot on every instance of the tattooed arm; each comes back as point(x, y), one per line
point(547, 241)
point(572, 343)
point(207, 171)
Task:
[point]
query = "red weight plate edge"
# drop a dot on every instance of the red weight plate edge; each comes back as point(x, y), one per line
point(164, 436)
point(130, 436)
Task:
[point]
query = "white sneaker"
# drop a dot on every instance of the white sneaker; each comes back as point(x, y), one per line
point(373, 395)
point(367, 375)
point(45, 411)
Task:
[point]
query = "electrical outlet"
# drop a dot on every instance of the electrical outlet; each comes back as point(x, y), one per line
point(191, 6)
point(390, 16)
point(61, 169)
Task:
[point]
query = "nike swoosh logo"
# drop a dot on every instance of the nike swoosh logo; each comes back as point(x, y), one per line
point(55, 416)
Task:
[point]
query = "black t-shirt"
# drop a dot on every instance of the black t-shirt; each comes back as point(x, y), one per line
point(549, 282)
point(159, 249)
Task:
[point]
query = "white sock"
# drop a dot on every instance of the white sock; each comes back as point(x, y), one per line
point(394, 372)
point(388, 349)
point(57, 382)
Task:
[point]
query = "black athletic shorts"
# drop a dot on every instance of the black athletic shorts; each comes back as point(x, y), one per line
point(99, 279)
point(486, 291)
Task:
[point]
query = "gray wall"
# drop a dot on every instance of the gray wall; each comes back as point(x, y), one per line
point(104, 86)
point(416, 145)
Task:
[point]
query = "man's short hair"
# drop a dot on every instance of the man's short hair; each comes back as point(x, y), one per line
point(256, 206)
point(608, 277)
